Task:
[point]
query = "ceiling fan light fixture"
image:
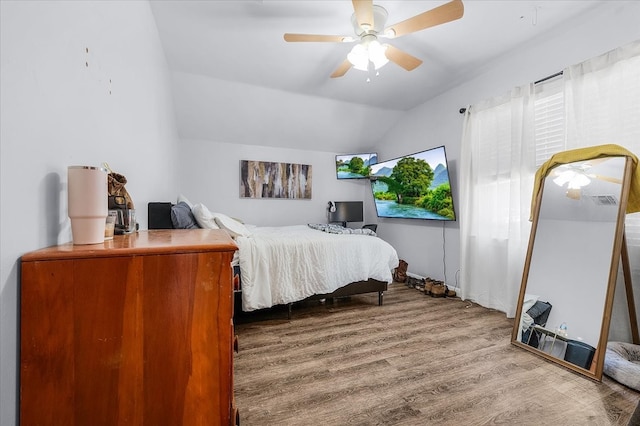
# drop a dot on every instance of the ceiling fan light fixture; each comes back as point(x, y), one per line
point(377, 54)
point(579, 181)
point(359, 57)
point(574, 179)
point(368, 51)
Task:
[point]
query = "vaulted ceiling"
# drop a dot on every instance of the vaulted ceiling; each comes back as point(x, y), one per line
point(242, 41)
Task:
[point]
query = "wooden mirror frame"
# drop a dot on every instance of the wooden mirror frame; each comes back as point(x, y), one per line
point(619, 254)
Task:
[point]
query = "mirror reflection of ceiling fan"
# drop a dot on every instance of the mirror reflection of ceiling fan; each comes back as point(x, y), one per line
point(368, 22)
point(576, 175)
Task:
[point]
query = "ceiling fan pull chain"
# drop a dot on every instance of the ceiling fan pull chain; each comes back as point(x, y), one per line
point(372, 72)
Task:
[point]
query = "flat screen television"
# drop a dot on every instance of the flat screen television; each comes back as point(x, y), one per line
point(415, 186)
point(355, 166)
point(346, 211)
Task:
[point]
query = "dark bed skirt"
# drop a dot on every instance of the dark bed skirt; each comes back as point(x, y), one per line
point(358, 287)
point(352, 289)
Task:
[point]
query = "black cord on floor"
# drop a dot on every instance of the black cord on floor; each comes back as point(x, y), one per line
point(444, 255)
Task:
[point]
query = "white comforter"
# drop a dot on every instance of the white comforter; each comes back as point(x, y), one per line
point(286, 264)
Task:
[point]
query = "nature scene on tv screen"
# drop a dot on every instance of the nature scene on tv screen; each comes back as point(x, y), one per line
point(415, 186)
point(355, 166)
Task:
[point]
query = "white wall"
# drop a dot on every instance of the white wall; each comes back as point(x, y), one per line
point(438, 121)
point(56, 111)
point(210, 174)
point(223, 122)
point(226, 111)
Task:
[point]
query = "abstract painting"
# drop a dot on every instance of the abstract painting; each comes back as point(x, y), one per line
point(261, 179)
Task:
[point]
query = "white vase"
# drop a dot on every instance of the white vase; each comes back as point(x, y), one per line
point(87, 201)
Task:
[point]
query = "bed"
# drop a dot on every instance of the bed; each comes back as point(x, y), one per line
point(282, 265)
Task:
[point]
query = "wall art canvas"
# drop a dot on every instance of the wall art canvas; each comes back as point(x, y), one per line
point(262, 179)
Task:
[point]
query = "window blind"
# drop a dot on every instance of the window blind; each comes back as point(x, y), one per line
point(549, 119)
point(610, 107)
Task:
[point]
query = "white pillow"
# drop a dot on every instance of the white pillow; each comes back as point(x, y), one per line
point(234, 227)
point(182, 198)
point(204, 217)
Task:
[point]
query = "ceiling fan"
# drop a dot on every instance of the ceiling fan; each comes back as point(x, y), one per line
point(577, 175)
point(368, 22)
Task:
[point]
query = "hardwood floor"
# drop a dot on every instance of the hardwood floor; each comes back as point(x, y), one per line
point(416, 360)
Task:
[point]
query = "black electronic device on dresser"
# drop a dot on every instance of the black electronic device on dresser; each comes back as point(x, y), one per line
point(159, 215)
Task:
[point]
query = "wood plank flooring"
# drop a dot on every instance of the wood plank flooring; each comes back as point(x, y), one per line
point(416, 360)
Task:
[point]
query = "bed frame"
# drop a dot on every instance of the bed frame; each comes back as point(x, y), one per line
point(160, 218)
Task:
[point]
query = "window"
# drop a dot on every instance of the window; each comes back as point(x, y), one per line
point(548, 119)
point(604, 104)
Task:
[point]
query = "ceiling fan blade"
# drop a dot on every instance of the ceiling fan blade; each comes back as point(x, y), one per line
point(342, 69)
point(314, 37)
point(402, 58)
point(446, 13)
point(364, 13)
point(607, 179)
point(595, 161)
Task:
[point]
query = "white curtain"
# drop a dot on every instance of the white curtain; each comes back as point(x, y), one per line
point(602, 98)
point(497, 168)
point(601, 106)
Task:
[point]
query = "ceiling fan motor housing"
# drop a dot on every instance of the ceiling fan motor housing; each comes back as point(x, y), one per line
point(379, 20)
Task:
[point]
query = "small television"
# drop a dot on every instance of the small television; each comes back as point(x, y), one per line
point(346, 211)
point(355, 166)
point(415, 186)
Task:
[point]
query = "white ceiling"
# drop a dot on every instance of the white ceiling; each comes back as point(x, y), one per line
point(243, 41)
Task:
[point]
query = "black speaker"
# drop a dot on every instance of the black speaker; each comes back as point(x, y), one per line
point(579, 353)
point(159, 215)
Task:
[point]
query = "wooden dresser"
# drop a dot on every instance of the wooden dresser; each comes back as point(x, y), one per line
point(135, 331)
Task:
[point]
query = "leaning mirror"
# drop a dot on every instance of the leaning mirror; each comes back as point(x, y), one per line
point(575, 245)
